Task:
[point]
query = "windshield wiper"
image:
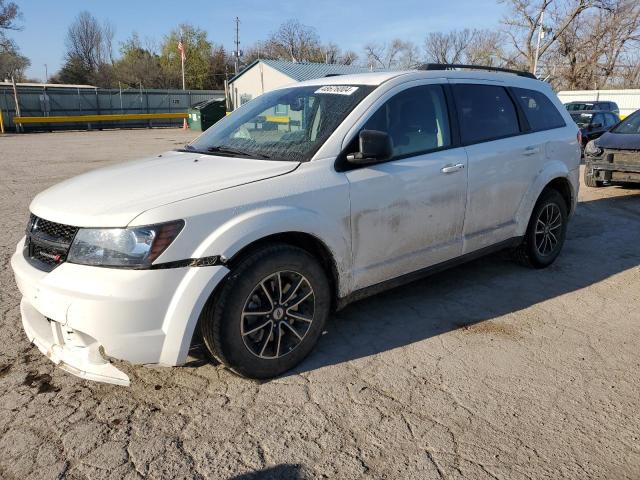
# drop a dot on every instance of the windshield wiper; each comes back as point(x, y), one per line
point(191, 149)
point(233, 151)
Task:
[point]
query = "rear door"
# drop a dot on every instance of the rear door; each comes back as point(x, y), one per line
point(502, 165)
point(505, 130)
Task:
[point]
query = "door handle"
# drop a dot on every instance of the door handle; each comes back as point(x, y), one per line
point(452, 168)
point(531, 150)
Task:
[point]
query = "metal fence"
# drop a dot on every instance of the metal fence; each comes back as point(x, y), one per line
point(64, 100)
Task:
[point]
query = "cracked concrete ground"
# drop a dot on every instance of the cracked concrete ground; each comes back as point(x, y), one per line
point(489, 370)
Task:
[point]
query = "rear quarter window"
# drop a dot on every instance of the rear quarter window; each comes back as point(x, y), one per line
point(485, 113)
point(541, 113)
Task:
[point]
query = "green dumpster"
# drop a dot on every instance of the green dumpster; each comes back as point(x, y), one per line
point(204, 114)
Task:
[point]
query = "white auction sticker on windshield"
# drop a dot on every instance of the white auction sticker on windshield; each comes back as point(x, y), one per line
point(337, 89)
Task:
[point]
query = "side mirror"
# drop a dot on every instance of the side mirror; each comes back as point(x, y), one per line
point(594, 126)
point(375, 146)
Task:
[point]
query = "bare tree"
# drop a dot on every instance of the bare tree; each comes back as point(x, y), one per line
point(448, 47)
point(89, 42)
point(12, 63)
point(334, 55)
point(598, 49)
point(296, 42)
point(523, 21)
point(394, 54)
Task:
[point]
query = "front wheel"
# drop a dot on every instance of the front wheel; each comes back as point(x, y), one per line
point(590, 180)
point(269, 313)
point(546, 231)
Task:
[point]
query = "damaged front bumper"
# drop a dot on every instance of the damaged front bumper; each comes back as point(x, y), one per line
point(73, 351)
point(615, 165)
point(80, 316)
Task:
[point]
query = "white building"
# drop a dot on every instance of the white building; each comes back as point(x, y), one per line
point(628, 100)
point(264, 75)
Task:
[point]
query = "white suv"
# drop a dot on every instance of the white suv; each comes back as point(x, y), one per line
point(302, 200)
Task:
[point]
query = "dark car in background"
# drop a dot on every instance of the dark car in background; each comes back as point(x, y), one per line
point(594, 123)
point(597, 105)
point(615, 156)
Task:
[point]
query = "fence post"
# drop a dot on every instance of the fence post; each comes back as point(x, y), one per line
point(15, 98)
point(98, 107)
point(146, 96)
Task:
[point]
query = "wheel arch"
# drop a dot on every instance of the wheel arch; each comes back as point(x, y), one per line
point(556, 176)
point(303, 240)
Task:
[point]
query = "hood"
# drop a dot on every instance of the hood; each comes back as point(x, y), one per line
point(623, 141)
point(114, 196)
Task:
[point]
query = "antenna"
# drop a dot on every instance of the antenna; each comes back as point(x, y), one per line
point(237, 53)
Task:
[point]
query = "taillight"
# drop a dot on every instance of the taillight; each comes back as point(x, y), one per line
point(579, 137)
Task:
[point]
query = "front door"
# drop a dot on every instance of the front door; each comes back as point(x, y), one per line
point(408, 213)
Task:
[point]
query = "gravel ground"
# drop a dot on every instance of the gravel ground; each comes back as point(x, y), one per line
point(489, 370)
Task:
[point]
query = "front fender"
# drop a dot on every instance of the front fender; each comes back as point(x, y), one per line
point(551, 171)
point(242, 230)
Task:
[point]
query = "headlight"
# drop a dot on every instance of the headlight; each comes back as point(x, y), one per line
point(592, 149)
point(134, 247)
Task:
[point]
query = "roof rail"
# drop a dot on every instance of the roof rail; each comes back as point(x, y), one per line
point(451, 66)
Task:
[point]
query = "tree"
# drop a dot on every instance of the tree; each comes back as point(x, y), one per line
point(524, 18)
point(394, 54)
point(139, 65)
point(475, 47)
point(9, 14)
point(598, 49)
point(89, 42)
point(198, 58)
point(89, 53)
point(12, 63)
point(221, 67)
point(296, 42)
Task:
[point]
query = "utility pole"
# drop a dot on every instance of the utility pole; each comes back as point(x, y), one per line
point(237, 53)
point(46, 74)
point(540, 36)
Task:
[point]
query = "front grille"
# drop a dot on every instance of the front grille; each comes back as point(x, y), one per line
point(47, 243)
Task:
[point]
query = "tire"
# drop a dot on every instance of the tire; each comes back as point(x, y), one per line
point(535, 251)
point(267, 288)
point(589, 179)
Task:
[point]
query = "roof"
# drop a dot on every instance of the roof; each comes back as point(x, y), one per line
point(379, 77)
point(301, 71)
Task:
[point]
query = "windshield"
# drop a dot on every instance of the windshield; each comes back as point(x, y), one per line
point(582, 119)
point(574, 107)
point(289, 124)
point(630, 125)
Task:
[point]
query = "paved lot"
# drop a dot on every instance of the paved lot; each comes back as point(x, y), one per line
point(488, 370)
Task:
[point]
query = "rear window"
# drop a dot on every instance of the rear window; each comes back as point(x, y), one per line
point(576, 107)
point(583, 120)
point(540, 112)
point(486, 112)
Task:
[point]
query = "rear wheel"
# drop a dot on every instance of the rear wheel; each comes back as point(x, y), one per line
point(269, 313)
point(546, 231)
point(590, 180)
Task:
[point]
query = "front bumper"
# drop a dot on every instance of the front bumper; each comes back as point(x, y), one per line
point(76, 312)
point(607, 171)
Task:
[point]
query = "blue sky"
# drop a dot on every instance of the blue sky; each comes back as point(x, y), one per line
point(350, 24)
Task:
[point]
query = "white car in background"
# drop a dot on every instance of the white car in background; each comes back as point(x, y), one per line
point(255, 231)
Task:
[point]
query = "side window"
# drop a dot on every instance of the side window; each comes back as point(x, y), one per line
point(598, 119)
point(416, 120)
point(611, 120)
point(540, 112)
point(485, 112)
